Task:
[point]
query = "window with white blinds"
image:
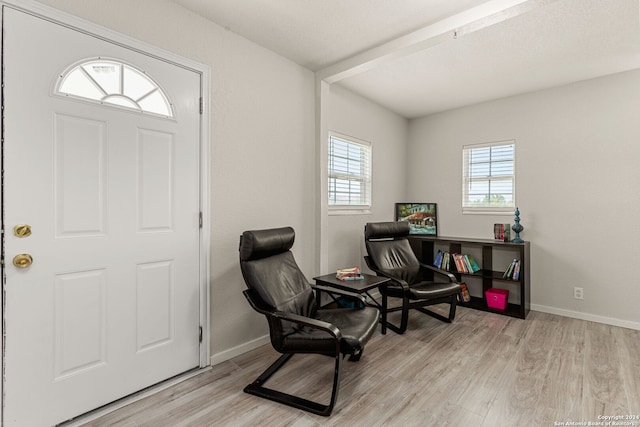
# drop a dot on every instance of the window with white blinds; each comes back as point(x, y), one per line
point(488, 177)
point(349, 173)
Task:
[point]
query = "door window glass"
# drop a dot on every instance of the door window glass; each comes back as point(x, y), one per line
point(114, 83)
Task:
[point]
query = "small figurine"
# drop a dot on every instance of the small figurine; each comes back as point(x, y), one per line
point(517, 227)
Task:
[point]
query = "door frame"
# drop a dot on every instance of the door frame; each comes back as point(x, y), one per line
point(103, 33)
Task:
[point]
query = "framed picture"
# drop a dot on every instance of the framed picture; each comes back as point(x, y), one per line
point(422, 217)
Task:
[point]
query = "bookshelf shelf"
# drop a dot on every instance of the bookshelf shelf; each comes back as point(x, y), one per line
point(493, 258)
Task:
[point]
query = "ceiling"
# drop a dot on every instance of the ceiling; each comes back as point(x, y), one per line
point(419, 57)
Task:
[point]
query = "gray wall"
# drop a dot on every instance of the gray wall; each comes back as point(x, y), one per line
point(577, 151)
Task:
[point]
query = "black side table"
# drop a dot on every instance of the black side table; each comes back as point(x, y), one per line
point(359, 286)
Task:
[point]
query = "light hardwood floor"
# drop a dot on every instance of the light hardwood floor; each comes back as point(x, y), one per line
point(483, 370)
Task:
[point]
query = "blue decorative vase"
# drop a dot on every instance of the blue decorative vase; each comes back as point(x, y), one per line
point(517, 227)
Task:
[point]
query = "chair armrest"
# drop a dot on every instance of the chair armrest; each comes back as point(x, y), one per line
point(313, 323)
point(451, 277)
point(291, 317)
point(330, 290)
point(397, 280)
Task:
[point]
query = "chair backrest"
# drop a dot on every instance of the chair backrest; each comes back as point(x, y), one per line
point(271, 272)
point(389, 249)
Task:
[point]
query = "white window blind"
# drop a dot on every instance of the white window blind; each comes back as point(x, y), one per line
point(488, 177)
point(349, 173)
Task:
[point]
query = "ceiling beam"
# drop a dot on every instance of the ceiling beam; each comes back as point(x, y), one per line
point(469, 21)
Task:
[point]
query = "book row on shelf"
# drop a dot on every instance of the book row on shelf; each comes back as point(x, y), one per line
point(462, 263)
point(513, 271)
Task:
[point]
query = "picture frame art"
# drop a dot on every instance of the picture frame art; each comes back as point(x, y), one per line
point(422, 217)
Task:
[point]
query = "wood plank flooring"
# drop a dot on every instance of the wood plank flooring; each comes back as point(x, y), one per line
point(483, 370)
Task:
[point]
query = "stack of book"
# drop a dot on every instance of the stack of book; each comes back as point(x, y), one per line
point(346, 274)
point(513, 271)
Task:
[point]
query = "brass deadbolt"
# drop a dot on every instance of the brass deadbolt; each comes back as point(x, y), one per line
point(22, 230)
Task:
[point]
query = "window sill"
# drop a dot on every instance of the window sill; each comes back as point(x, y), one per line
point(467, 211)
point(341, 212)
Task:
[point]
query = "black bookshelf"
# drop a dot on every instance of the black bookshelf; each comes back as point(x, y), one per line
point(491, 276)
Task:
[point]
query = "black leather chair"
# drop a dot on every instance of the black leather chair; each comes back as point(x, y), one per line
point(390, 255)
point(278, 289)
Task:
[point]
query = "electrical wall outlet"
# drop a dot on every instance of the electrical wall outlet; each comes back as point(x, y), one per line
point(578, 293)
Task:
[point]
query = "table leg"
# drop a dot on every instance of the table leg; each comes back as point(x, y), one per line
point(383, 310)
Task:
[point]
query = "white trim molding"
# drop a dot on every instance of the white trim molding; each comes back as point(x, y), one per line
point(223, 356)
point(586, 316)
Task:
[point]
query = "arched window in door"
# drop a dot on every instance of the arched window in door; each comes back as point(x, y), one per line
point(115, 83)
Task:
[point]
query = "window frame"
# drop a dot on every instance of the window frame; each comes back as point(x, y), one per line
point(122, 90)
point(501, 210)
point(365, 179)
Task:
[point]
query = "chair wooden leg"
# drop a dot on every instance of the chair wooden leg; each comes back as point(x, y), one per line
point(434, 314)
point(452, 309)
point(404, 317)
point(256, 388)
point(383, 315)
point(407, 305)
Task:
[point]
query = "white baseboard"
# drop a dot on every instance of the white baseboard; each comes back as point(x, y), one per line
point(238, 350)
point(586, 316)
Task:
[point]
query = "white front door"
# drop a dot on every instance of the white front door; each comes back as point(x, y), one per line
point(110, 303)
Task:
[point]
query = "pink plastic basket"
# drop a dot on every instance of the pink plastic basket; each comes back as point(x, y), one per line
point(497, 298)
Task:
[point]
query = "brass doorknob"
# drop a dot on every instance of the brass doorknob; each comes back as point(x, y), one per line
point(22, 260)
